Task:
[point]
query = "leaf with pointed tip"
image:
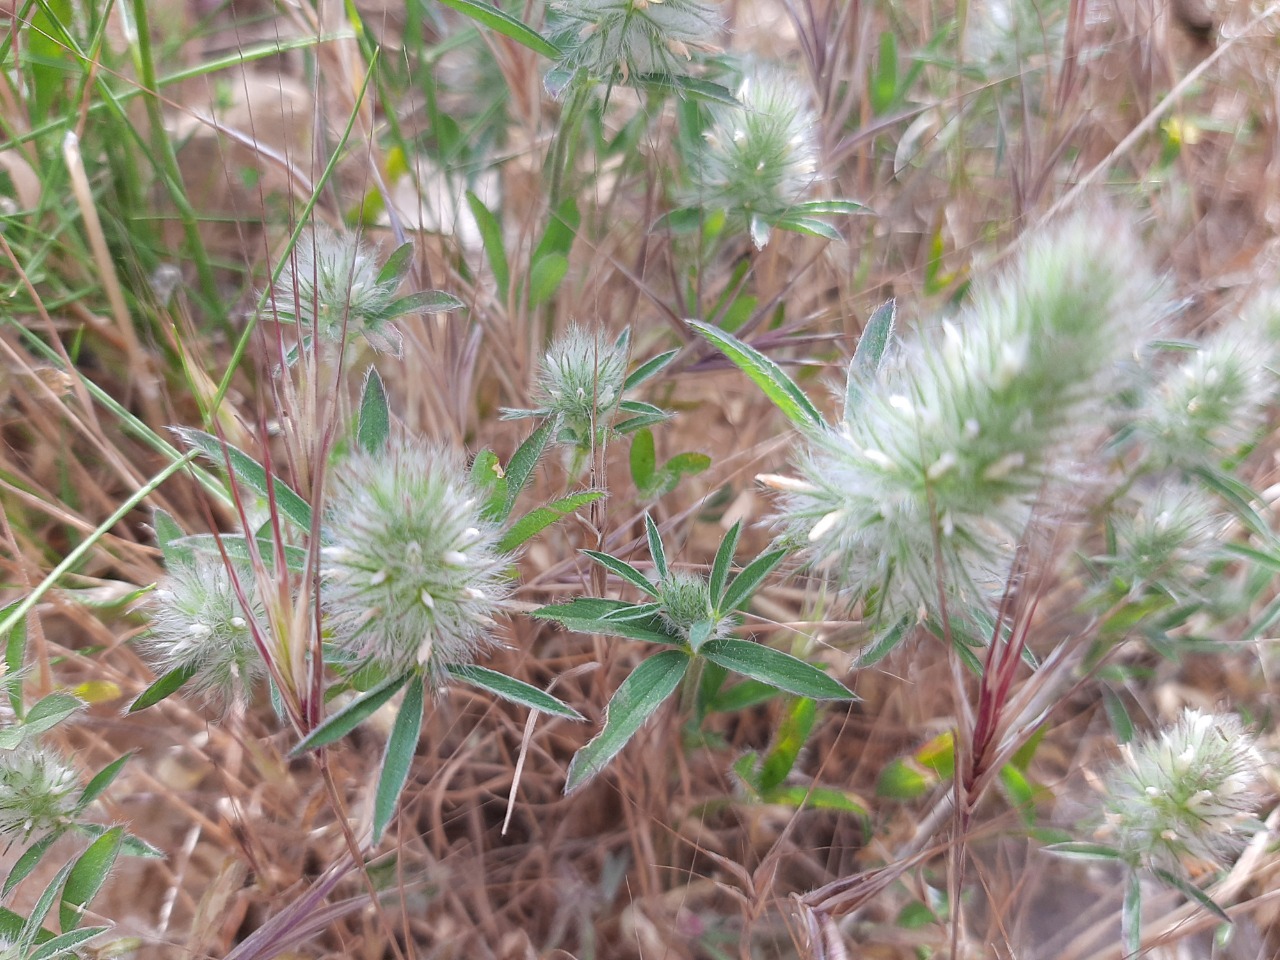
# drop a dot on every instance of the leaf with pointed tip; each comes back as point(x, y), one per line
point(748, 581)
point(522, 464)
point(1193, 893)
point(398, 757)
point(607, 617)
point(624, 570)
point(101, 780)
point(31, 932)
point(352, 715)
point(765, 374)
point(249, 472)
point(869, 356)
point(775, 668)
point(167, 531)
point(883, 645)
point(374, 427)
point(819, 208)
point(643, 458)
point(502, 22)
point(810, 226)
point(635, 701)
point(397, 265)
point(513, 690)
point(694, 88)
point(236, 547)
point(491, 239)
point(428, 301)
point(722, 563)
point(649, 368)
point(164, 687)
point(655, 548)
point(88, 875)
point(30, 858)
point(61, 945)
point(538, 519)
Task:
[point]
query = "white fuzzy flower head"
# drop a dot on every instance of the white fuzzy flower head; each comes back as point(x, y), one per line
point(760, 158)
point(634, 37)
point(1185, 794)
point(330, 288)
point(412, 573)
point(1166, 542)
point(929, 481)
point(1214, 402)
point(198, 623)
point(38, 791)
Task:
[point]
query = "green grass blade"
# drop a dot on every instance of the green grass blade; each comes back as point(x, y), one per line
point(635, 701)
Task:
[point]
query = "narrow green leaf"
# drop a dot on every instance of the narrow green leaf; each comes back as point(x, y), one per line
point(746, 583)
point(1192, 893)
point(491, 238)
point(237, 547)
point(1131, 915)
point(643, 409)
point(793, 733)
point(743, 696)
point(374, 428)
point(624, 570)
point(883, 645)
point(166, 686)
point(815, 798)
point(592, 615)
point(829, 207)
point(397, 265)
point(50, 711)
point(869, 356)
point(88, 875)
point(656, 549)
point(505, 24)
point(249, 472)
point(635, 701)
point(765, 374)
point(1081, 850)
point(774, 667)
point(522, 464)
point(538, 519)
point(30, 858)
point(1237, 496)
point(883, 88)
point(722, 563)
point(352, 715)
point(691, 87)
point(649, 368)
point(398, 758)
point(545, 277)
point(31, 932)
point(1121, 724)
point(428, 301)
point(15, 652)
point(101, 780)
point(632, 424)
point(60, 945)
point(167, 531)
point(810, 226)
point(513, 690)
point(644, 459)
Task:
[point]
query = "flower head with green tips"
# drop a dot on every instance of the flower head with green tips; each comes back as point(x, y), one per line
point(199, 624)
point(38, 791)
point(1185, 793)
point(634, 38)
point(412, 572)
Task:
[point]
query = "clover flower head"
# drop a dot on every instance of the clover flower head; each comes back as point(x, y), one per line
point(761, 157)
point(931, 477)
point(1166, 542)
point(684, 600)
point(1214, 402)
point(1184, 794)
point(412, 573)
point(636, 37)
point(331, 287)
point(199, 624)
point(38, 791)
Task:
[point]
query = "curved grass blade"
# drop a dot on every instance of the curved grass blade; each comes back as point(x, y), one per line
point(398, 758)
point(775, 668)
point(635, 701)
point(765, 374)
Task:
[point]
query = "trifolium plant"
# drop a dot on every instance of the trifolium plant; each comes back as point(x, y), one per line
point(632, 39)
point(412, 573)
point(38, 791)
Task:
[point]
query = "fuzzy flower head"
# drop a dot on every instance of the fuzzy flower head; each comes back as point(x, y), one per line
point(335, 290)
point(635, 37)
point(199, 624)
point(761, 158)
point(38, 791)
point(1166, 542)
point(580, 385)
point(1184, 794)
point(684, 600)
point(412, 572)
point(1214, 402)
point(931, 476)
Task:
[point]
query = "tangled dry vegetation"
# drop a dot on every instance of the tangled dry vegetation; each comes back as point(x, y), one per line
point(134, 254)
